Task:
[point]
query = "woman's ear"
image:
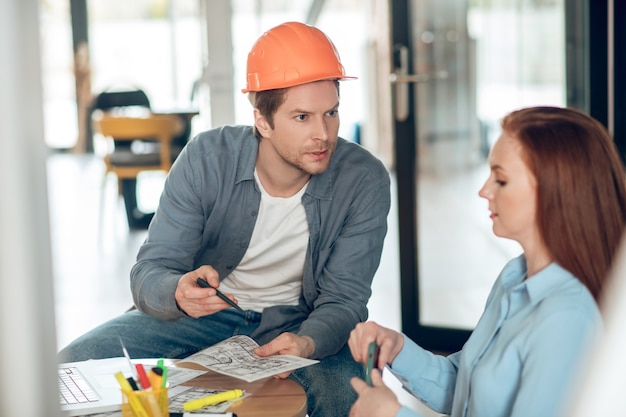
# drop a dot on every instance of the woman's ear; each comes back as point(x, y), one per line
point(261, 123)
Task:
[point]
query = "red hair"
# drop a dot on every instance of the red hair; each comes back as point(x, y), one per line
point(581, 189)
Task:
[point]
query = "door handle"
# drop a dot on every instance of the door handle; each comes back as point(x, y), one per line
point(401, 79)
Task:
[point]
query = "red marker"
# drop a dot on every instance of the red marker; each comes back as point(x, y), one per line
point(143, 377)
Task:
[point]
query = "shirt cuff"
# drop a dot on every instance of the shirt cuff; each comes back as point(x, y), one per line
point(411, 357)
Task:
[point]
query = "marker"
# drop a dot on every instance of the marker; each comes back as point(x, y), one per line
point(205, 284)
point(161, 364)
point(372, 362)
point(133, 401)
point(152, 402)
point(212, 399)
point(132, 383)
point(155, 376)
point(143, 377)
point(149, 398)
point(124, 384)
point(164, 377)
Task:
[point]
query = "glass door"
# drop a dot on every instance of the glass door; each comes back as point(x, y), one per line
point(459, 66)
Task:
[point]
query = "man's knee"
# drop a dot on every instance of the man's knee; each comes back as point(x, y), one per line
point(104, 341)
point(327, 384)
point(90, 346)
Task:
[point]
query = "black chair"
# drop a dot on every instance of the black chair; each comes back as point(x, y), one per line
point(110, 100)
point(123, 154)
point(107, 100)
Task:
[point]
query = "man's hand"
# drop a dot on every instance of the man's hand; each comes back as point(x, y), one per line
point(377, 400)
point(287, 344)
point(196, 301)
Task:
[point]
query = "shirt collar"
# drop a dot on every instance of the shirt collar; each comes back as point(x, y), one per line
point(539, 286)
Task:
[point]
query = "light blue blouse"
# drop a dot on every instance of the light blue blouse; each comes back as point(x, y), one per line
point(522, 357)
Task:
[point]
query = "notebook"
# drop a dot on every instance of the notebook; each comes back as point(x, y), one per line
point(96, 390)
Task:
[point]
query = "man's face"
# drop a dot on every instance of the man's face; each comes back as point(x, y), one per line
point(305, 130)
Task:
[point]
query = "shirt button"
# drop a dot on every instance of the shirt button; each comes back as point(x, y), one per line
point(229, 267)
point(254, 213)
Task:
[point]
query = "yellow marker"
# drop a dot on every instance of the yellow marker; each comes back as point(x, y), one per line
point(124, 384)
point(133, 401)
point(153, 405)
point(212, 399)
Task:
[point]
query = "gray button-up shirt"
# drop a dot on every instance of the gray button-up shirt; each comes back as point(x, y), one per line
point(207, 213)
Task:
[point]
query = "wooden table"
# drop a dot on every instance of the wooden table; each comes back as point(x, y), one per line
point(270, 397)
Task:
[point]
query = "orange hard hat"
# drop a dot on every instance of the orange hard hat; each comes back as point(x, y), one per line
point(290, 54)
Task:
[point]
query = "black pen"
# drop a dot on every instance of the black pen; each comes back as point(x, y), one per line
point(132, 383)
point(205, 284)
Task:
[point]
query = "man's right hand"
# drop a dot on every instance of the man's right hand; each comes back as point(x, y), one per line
point(196, 301)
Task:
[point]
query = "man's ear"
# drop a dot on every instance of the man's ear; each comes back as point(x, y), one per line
point(261, 123)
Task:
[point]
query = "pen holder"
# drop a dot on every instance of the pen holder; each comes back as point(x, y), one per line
point(152, 403)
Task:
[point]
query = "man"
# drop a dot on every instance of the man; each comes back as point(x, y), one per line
point(284, 217)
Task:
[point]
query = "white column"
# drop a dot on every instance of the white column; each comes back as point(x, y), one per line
point(28, 386)
point(218, 71)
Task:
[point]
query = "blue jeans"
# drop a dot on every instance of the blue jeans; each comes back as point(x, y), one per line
point(327, 384)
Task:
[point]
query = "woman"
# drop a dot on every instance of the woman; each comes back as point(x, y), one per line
point(557, 188)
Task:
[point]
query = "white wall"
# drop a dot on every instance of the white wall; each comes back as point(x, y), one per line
point(28, 386)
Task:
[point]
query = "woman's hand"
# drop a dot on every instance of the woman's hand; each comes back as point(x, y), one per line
point(375, 401)
point(389, 341)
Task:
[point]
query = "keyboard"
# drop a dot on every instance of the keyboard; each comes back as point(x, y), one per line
point(73, 389)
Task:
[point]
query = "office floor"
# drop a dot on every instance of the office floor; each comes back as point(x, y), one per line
point(93, 251)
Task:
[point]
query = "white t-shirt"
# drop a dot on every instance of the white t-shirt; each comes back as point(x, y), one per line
point(270, 272)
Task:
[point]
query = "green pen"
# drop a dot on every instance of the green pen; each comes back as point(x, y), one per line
point(164, 377)
point(372, 362)
point(161, 364)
